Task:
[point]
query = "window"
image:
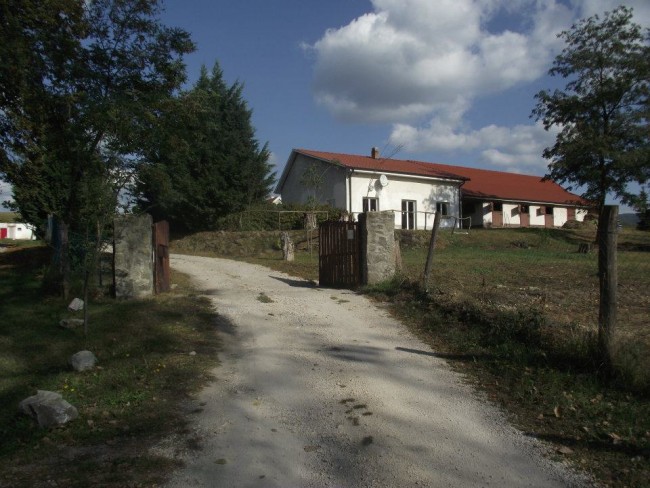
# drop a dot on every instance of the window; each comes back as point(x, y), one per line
point(524, 209)
point(370, 204)
point(408, 214)
point(549, 210)
point(443, 208)
point(497, 207)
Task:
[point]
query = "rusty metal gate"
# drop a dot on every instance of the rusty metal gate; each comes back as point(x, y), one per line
point(339, 254)
point(161, 278)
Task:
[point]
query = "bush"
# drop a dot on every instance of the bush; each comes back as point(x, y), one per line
point(276, 217)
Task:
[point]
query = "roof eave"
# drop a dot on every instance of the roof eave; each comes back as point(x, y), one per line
point(459, 180)
point(571, 203)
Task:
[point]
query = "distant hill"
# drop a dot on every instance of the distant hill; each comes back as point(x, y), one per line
point(8, 216)
point(628, 219)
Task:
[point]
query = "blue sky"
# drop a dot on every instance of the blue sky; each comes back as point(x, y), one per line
point(449, 81)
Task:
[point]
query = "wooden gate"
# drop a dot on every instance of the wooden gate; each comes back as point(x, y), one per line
point(161, 278)
point(339, 250)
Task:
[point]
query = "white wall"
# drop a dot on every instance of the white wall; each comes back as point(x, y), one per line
point(19, 231)
point(425, 192)
point(487, 213)
point(511, 216)
point(560, 216)
point(331, 191)
point(581, 213)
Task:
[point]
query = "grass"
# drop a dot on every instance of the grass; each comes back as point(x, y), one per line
point(129, 402)
point(9, 217)
point(264, 298)
point(516, 311)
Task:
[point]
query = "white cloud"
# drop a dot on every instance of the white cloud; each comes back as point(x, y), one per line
point(410, 61)
point(408, 58)
point(587, 8)
point(516, 149)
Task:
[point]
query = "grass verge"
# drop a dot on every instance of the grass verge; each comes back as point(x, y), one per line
point(153, 355)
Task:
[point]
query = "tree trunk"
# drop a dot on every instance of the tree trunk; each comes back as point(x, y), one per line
point(608, 279)
point(64, 260)
point(432, 246)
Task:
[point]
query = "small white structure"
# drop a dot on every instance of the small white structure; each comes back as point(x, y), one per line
point(16, 231)
point(415, 190)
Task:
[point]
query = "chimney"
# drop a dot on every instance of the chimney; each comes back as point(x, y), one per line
point(374, 153)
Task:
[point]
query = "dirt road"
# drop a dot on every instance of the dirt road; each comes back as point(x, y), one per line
point(320, 388)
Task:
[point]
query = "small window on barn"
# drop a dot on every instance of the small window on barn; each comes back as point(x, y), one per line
point(370, 204)
point(524, 209)
point(19, 229)
point(497, 207)
point(549, 210)
point(443, 208)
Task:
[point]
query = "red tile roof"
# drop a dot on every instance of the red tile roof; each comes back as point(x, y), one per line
point(384, 165)
point(480, 183)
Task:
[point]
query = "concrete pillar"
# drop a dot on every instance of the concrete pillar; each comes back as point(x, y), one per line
point(133, 256)
point(377, 231)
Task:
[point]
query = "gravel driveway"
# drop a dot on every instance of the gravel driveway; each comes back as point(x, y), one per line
point(321, 388)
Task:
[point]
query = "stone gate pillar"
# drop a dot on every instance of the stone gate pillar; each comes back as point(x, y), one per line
point(133, 256)
point(377, 231)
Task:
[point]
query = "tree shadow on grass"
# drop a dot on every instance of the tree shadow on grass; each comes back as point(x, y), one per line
point(603, 445)
point(451, 357)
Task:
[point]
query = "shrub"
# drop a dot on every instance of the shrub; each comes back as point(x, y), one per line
point(275, 217)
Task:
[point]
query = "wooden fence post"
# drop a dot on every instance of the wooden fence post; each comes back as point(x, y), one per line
point(432, 246)
point(608, 278)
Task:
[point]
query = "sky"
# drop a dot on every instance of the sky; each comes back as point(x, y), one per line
point(447, 81)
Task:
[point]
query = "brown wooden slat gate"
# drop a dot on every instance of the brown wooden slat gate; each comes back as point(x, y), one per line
point(161, 277)
point(339, 251)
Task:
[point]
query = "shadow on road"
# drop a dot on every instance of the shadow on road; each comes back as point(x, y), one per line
point(297, 283)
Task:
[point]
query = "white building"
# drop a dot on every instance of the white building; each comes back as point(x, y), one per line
point(16, 231)
point(414, 190)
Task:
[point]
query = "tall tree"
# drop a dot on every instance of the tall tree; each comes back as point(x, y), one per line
point(80, 81)
point(604, 139)
point(204, 162)
point(79, 84)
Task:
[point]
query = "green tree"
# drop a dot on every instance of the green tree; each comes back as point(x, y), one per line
point(80, 83)
point(204, 161)
point(602, 114)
